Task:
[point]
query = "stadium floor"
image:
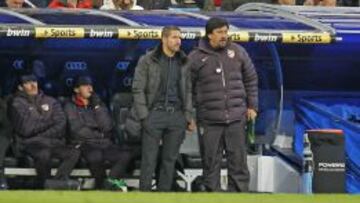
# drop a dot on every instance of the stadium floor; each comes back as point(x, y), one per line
point(133, 197)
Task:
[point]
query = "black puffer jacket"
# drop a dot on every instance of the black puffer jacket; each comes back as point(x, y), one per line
point(88, 125)
point(224, 83)
point(37, 120)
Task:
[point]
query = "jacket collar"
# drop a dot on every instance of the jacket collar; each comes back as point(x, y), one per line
point(31, 99)
point(23, 94)
point(78, 101)
point(205, 46)
point(156, 53)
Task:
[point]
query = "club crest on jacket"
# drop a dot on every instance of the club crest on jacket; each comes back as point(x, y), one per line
point(45, 107)
point(231, 53)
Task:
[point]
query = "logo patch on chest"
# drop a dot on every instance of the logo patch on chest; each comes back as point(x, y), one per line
point(45, 107)
point(231, 53)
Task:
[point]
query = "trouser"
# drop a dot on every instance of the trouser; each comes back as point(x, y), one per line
point(169, 129)
point(4, 144)
point(118, 158)
point(179, 165)
point(229, 137)
point(42, 157)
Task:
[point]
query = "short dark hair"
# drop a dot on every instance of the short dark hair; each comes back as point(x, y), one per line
point(214, 23)
point(165, 32)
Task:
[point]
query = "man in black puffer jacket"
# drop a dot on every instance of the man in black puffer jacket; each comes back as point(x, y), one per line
point(91, 129)
point(224, 84)
point(39, 124)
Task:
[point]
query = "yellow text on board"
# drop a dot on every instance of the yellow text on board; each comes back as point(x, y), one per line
point(239, 36)
point(139, 33)
point(306, 38)
point(59, 32)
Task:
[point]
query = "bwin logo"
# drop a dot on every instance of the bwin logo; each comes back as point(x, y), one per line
point(76, 65)
point(18, 64)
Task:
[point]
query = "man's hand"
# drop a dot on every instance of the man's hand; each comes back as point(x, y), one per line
point(251, 114)
point(144, 122)
point(95, 101)
point(191, 125)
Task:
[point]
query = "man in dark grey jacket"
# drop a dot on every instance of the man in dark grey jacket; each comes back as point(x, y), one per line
point(91, 129)
point(224, 83)
point(160, 101)
point(39, 124)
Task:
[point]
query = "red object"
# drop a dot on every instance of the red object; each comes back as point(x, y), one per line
point(326, 131)
point(65, 4)
point(79, 101)
point(217, 3)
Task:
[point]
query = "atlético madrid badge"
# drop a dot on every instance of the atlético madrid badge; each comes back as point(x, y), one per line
point(45, 107)
point(231, 53)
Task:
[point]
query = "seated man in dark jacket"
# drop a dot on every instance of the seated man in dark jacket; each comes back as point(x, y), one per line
point(39, 124)
point(91, 129)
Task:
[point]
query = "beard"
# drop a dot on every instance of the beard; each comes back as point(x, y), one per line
point(175, 48)
point(222, 43)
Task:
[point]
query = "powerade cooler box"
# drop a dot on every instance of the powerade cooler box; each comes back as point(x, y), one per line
point(328, 150)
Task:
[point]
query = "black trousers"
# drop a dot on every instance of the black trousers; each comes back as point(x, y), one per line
point(118, 158)
point(229, 137)
point(42, 157)
point(4, 144)
point(169, 129)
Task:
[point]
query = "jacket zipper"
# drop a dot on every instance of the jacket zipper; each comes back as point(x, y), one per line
point(222, 75)
point(225, 96)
